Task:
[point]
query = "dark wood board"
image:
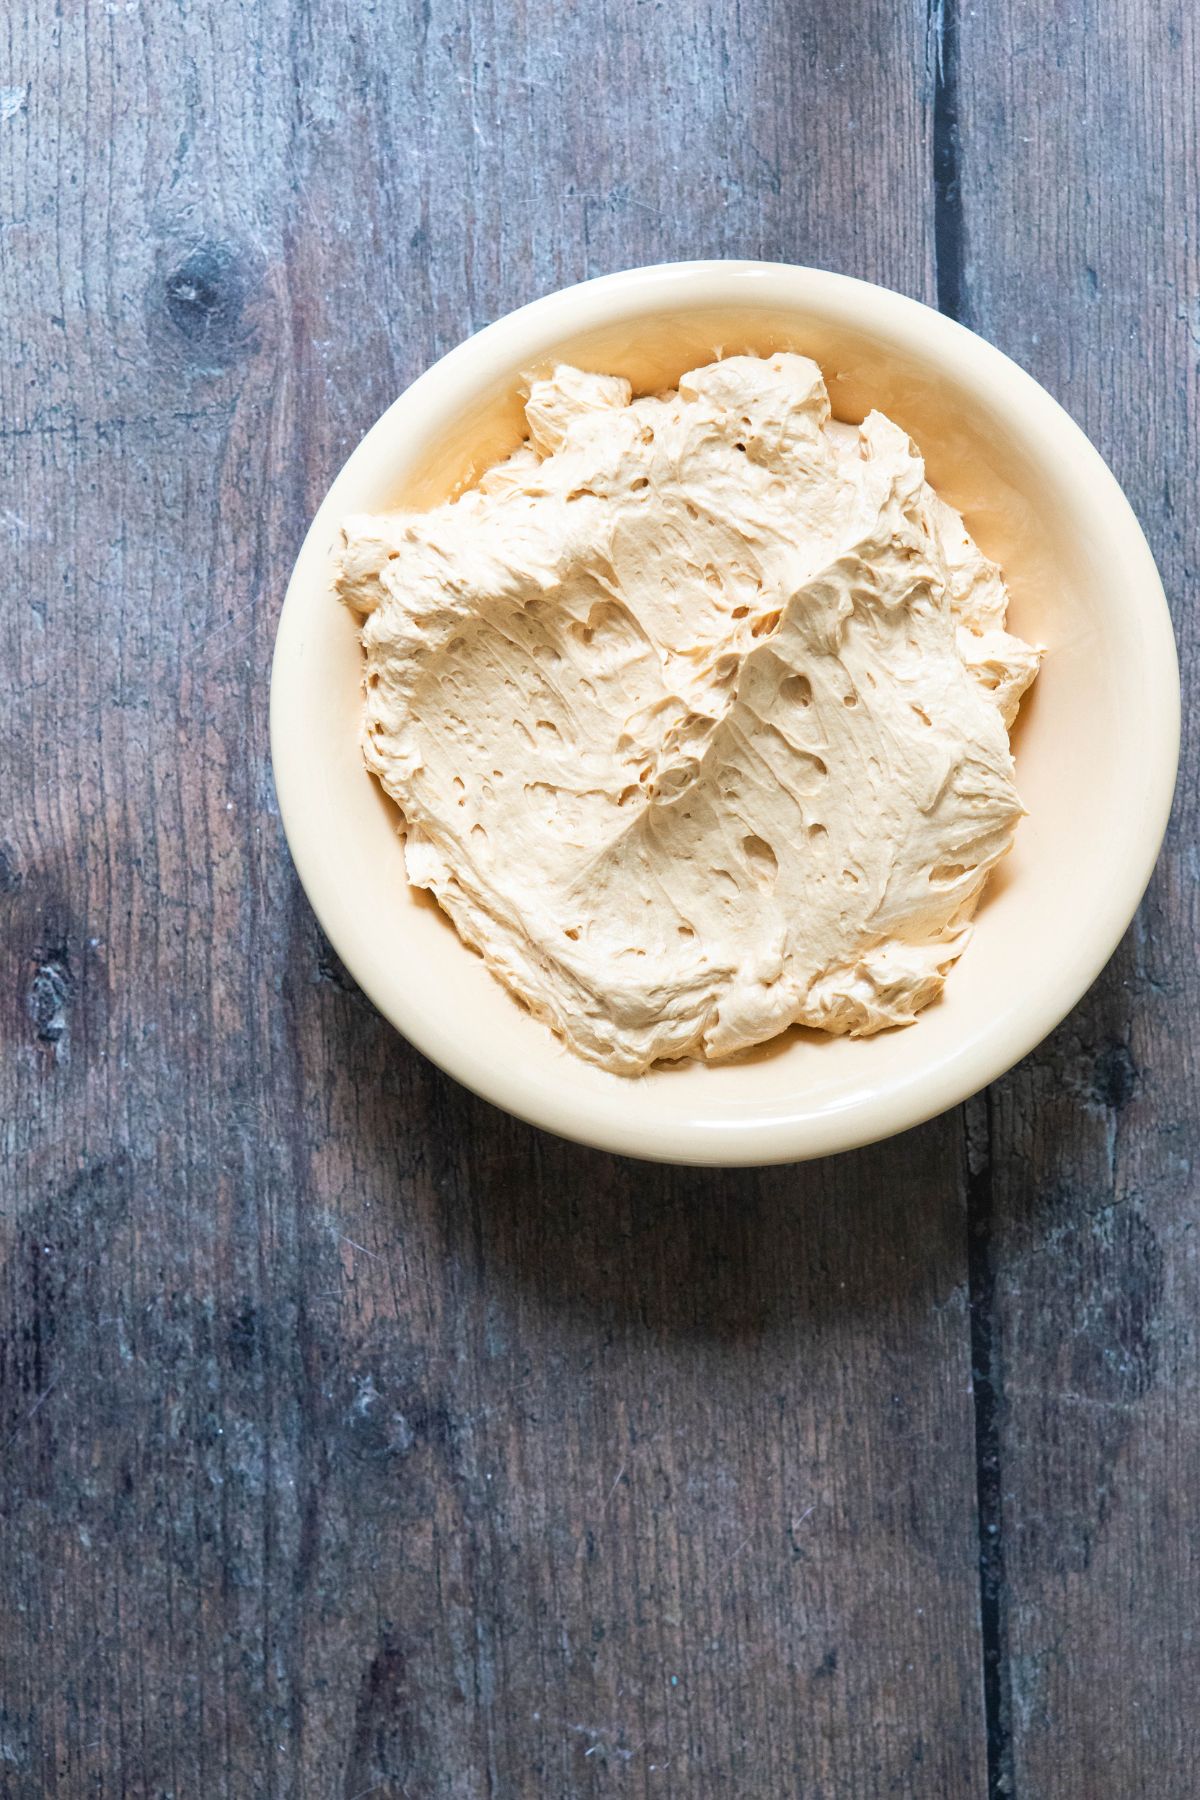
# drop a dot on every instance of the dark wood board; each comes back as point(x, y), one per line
point(354, 1438)
point(1080, 179)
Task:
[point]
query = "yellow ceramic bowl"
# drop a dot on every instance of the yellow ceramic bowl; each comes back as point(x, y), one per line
point(1096, 746)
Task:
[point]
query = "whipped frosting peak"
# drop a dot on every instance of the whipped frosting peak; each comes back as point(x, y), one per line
point(696, 708)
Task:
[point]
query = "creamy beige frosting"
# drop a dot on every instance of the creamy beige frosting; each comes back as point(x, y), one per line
point(696, 708)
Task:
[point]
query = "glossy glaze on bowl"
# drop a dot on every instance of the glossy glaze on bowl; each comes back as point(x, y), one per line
point(1096, 746)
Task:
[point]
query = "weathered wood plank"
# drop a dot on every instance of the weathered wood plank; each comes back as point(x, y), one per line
point(1080, 195)
point(356, 1439)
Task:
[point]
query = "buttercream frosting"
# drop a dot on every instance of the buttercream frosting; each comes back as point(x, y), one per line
point(696, 708)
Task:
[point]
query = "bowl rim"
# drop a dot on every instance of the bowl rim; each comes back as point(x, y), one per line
point(520, 337)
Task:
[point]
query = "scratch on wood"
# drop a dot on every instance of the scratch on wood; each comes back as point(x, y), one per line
point(33, 1411)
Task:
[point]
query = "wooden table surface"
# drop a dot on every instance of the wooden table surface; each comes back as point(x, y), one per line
point(355, 1439)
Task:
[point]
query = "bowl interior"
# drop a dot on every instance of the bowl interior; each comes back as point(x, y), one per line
point(1094, 755)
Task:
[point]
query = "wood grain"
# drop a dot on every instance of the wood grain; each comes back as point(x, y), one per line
point(357, 1439)
point(1080, 193)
